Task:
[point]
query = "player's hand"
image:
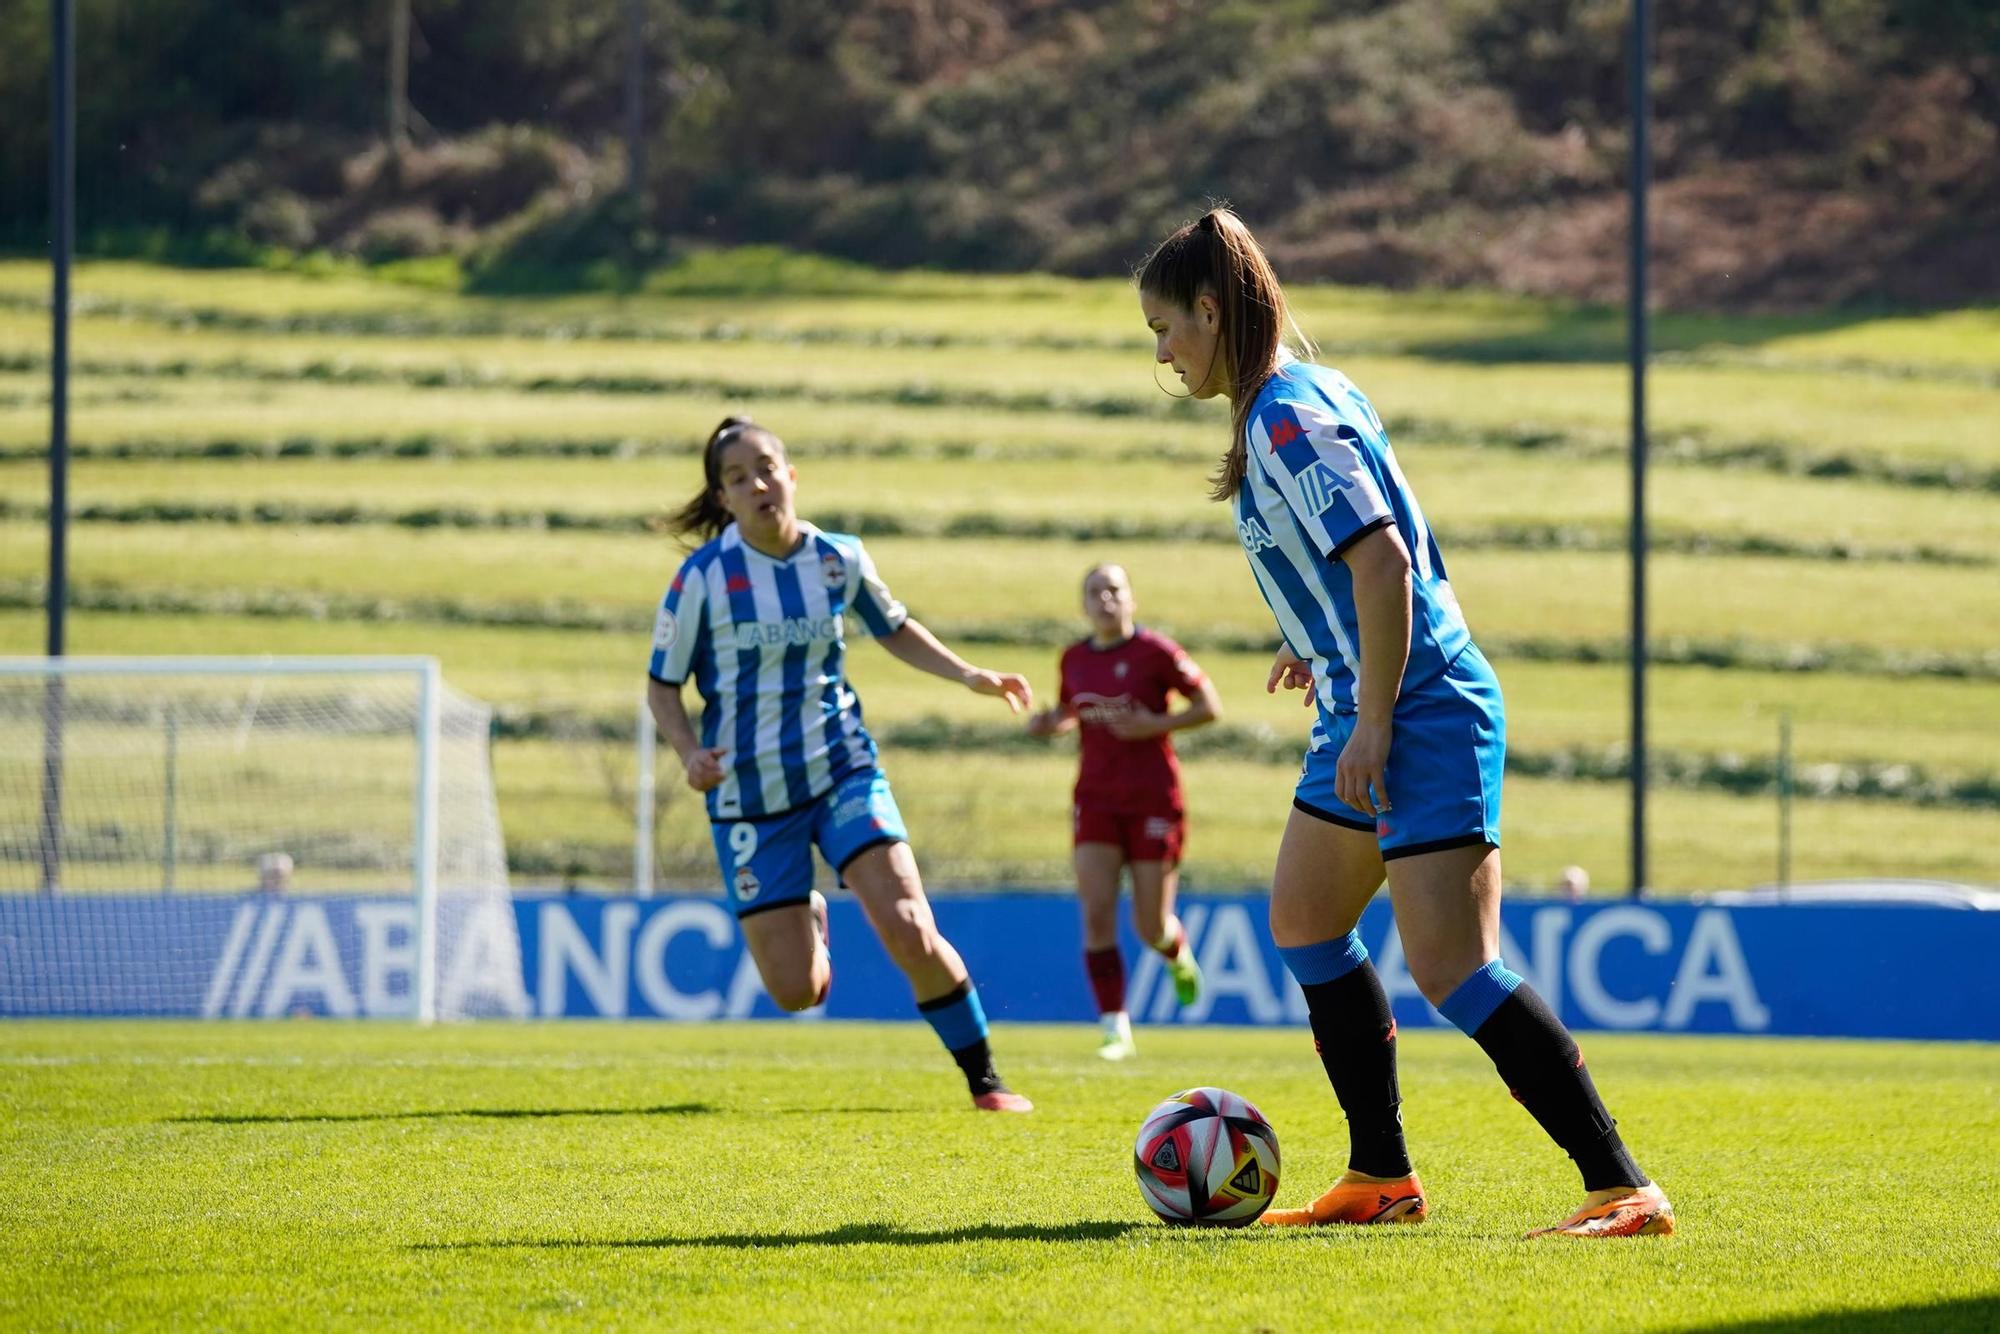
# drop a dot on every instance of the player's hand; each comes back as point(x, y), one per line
point(1136, 724)
point(1360, 776)
point(1292, 672)
point(704, 767)
point(1010, 686)
point(1042, 723)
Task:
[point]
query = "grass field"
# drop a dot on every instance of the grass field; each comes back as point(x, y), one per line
point(350, 463)
point(827, 1176)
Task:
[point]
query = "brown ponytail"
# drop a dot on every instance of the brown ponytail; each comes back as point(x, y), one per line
point(703, 516)
point(1216, 255)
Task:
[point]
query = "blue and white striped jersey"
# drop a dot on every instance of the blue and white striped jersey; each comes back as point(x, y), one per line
point(765, 640)
point(1321, 476)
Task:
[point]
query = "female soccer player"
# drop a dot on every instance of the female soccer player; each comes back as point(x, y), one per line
point(1403, 774)
point(1128, 809)
point(758, 616)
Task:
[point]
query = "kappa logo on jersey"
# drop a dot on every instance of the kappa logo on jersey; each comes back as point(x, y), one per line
point(1254, 536)
point(791, 630)
point(1321, 486)
point(1284, 433)
point(665, 630)
point(738, 583)
point(833, 569)
point(747, 884)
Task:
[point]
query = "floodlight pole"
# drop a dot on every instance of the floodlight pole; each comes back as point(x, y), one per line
point(62, 228)
point(1637, 339)
point(635, 98)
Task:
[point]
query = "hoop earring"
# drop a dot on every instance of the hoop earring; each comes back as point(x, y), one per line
point(1208, 371)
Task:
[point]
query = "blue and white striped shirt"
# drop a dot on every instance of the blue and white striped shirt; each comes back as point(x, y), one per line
point(765, 640)
point(1321, 476)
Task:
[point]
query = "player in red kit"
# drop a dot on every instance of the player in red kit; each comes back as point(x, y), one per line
point(1116, 686)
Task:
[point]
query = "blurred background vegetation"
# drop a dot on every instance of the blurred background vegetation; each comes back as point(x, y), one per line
point(358, 374)
point(1808, 151)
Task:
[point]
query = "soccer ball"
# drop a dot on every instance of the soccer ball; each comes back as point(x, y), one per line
point(1208, 1158)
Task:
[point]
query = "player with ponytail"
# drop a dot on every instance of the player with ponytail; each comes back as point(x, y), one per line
point(758, 616)
point(1402, 777)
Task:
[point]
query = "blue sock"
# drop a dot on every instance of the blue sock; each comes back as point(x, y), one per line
point(1475, 1000)
point(957, 1016)
point(960, 1021)
point(1325, 960)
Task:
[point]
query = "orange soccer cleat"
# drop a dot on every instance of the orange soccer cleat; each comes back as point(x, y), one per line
point(1621, 1211)
point(1359, 1198)
point(1002, 1100)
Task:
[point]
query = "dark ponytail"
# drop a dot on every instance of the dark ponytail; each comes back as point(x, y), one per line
point(1216, 255)
point(703, 516)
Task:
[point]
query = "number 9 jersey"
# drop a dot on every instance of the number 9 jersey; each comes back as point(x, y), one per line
point(764, 640)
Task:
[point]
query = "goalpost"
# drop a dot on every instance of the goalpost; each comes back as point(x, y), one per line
point(250, 836)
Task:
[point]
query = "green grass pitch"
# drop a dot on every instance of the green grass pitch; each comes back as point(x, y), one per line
point(829, 1177)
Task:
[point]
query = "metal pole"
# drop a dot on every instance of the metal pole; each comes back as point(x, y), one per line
point(170, 853)
point(399, 75)
point(1637, 338)
point(642, 814)
point(1784, 802)
point(635, 97)
point(425, 870)
point(62, 226)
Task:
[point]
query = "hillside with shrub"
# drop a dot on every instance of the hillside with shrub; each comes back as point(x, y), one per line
point(1809, 153)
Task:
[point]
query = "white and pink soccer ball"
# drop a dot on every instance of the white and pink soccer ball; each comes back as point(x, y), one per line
point(1208, 1158)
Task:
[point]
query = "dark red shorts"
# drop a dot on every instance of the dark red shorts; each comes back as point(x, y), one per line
point(1142, 838)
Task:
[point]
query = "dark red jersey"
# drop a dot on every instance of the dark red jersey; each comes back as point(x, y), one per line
point(1127, 777)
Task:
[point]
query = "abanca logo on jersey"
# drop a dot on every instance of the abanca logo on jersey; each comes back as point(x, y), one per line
point(1321, 486)
point(1254, 536)
point(793, 630)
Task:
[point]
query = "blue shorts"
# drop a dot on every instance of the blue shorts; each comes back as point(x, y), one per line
point(767, 862)
point(1445, 755)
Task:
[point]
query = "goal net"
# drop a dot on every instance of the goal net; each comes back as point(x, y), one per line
point(249, 837)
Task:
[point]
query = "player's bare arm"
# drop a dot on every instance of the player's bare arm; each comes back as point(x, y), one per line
point(1052, 721)
point(703, 764)
point(1291, 672)
point(1205, 706)
point(1380, 566)
point(919, 648)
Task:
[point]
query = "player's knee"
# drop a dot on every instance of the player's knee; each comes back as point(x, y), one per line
point(1437, 975)
point(1100, 920)
point(794, 994)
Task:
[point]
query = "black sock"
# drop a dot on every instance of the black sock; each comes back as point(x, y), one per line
point(976, 1061)
point(1355, 1035)
point(1544, 1070)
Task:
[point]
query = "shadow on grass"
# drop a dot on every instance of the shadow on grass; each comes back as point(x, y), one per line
point(501, 1113)
point(854, 1234)
point(1967, 1313)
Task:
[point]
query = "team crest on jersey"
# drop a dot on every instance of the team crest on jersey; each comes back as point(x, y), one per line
point(747, 884)
point(1254, 536)
point(665, 629)
point(833, 569)
point(1321, 486)
point(1120, 669)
